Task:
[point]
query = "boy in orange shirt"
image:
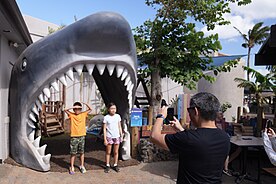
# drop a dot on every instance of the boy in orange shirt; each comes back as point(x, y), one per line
point(78, 133)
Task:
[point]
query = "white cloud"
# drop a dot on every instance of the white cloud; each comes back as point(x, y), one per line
point(257, 10)
point(228, 31)
point(244, 18)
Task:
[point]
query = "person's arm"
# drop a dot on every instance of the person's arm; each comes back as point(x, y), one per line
point(272, 138)
point(67, 110)
point(156, 136)
point(104, 133)
point(88, 107)
point(268, 148)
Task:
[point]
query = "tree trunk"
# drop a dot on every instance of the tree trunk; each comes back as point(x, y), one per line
point(260, 115)
point(248, 61)
point(156, 90)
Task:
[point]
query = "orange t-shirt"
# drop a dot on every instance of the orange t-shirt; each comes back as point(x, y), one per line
point(78, 124)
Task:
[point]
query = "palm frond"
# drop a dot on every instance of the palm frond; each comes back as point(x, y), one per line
point(244, 36)
point(244, 83)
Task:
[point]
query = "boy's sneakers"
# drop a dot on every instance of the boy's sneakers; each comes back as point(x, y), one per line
point(71, 171)
point(107, 169)
point(82, 169)
point(116, 168)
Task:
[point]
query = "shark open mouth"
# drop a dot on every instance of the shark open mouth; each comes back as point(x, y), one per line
point(100, 44)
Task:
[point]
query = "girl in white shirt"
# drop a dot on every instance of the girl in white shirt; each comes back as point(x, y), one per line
point(112, 136)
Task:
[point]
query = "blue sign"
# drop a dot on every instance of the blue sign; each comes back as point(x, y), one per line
point(136, 117)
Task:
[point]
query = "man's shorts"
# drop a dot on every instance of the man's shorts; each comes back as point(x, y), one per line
point(77, 145)
point(113, 140)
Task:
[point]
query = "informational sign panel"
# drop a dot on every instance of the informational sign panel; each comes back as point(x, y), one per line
point(136, 117)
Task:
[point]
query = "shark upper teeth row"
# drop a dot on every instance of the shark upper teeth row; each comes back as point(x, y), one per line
point(121, 72)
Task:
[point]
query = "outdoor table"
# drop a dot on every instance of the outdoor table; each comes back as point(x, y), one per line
point(244, 142)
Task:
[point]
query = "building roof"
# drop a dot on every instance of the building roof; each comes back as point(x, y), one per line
point(12, 25)
point(217, 60)
point(267, 52)
point(220, 60)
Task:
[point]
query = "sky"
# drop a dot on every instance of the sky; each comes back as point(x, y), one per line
point(136, 12)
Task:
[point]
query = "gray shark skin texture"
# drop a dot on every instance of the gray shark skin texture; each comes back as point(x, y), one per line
point(101, 44)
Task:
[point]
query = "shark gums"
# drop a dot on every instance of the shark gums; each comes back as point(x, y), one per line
point(101, 44)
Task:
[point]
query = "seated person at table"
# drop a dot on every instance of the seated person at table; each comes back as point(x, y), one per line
point(269, 138)
point(234, 153)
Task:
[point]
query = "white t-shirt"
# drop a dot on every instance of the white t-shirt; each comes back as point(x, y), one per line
point(112, 125)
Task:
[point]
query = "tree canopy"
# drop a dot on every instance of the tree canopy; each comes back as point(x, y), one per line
point(172, 45)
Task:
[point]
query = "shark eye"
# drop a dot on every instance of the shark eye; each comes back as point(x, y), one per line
point(24, 64)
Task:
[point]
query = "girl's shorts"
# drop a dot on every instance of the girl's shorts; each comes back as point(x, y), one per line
point(113, 140)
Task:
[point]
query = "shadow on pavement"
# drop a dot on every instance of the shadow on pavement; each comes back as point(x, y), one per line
point(167, 169)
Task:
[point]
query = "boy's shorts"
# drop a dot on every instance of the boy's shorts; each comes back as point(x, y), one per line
point(113, 140)
point(77, 145)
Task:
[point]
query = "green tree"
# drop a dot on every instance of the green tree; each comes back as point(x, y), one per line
point(260, 84)
point(52, 30)
point(171, 46)
point(255, 36)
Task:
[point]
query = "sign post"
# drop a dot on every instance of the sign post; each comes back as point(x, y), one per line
point(135, 122)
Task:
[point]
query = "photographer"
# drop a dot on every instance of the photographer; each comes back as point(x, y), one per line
point(202, 151)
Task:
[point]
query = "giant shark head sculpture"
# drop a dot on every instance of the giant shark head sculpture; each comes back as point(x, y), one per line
point(101, 44)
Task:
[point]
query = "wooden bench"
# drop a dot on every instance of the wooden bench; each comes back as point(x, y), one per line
point(51, 118)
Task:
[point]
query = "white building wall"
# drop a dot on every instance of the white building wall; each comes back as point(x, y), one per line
point(7, 54)
point(226, 90)
point(38, 28)
point(171, 90)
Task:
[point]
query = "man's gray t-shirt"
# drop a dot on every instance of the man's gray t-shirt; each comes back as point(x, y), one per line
point(112, 125)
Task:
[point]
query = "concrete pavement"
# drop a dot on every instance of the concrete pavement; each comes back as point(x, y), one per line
point(152, 173)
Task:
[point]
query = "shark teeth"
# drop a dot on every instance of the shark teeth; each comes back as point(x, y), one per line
point(90, 68)
point(36, 142)
point(124, 75)
point(127, 80)
point(45, 95)
point(55, 86)
point(110, 69)
point(34, 110)
point(70, 74)
point(46, 158)
point(47, 92)
point(120, 70)
point(79, 69)
point(62, 80)
point(32, 117)
point(42, 149)
point(30, 124)
point(101, 68)
point(41, 98)
point(31, 136)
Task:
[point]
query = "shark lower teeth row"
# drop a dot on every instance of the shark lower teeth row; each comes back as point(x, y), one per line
point(121, 72)
point(40, 150)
